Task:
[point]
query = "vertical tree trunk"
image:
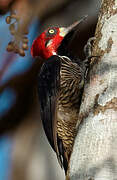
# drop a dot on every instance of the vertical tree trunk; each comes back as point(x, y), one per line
point(94, 154)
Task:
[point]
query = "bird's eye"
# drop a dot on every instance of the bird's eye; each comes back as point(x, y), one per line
point(51, 31)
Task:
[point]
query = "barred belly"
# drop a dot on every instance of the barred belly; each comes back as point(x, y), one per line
point(71, 85)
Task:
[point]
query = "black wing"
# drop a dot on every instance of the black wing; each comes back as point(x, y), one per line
point(48, 89)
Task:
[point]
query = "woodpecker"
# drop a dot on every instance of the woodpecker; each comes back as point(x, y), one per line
point(60, 87)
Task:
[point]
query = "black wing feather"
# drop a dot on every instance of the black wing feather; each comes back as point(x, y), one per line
point(48, 88)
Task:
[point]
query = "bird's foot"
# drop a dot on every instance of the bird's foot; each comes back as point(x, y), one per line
point(88, 52)
point(88, 48)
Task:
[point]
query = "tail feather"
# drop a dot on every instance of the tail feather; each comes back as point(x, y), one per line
point(62, 156)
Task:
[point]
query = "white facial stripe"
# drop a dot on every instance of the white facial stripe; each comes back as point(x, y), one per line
point(49, 43)
point(54, 53)
point(63, 31)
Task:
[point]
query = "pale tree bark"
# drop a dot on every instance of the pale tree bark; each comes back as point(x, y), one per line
point(94, 154)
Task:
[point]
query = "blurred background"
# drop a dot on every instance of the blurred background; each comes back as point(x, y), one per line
point(24, 150)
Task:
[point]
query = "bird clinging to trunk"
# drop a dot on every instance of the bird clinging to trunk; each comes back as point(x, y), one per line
point(60, 87)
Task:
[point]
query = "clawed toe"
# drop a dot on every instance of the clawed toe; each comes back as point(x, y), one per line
point(87, 47)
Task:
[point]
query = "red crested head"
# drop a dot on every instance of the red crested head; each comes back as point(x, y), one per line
point(47, 43)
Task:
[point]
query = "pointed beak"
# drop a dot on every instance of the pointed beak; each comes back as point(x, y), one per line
point(64, 31)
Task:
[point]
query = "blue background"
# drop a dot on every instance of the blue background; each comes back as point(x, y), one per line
point(8, 96)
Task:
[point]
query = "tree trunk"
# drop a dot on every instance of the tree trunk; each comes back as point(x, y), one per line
point(94, 154)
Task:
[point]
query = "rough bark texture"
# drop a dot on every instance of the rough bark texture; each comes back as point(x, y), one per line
point(94, 154)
